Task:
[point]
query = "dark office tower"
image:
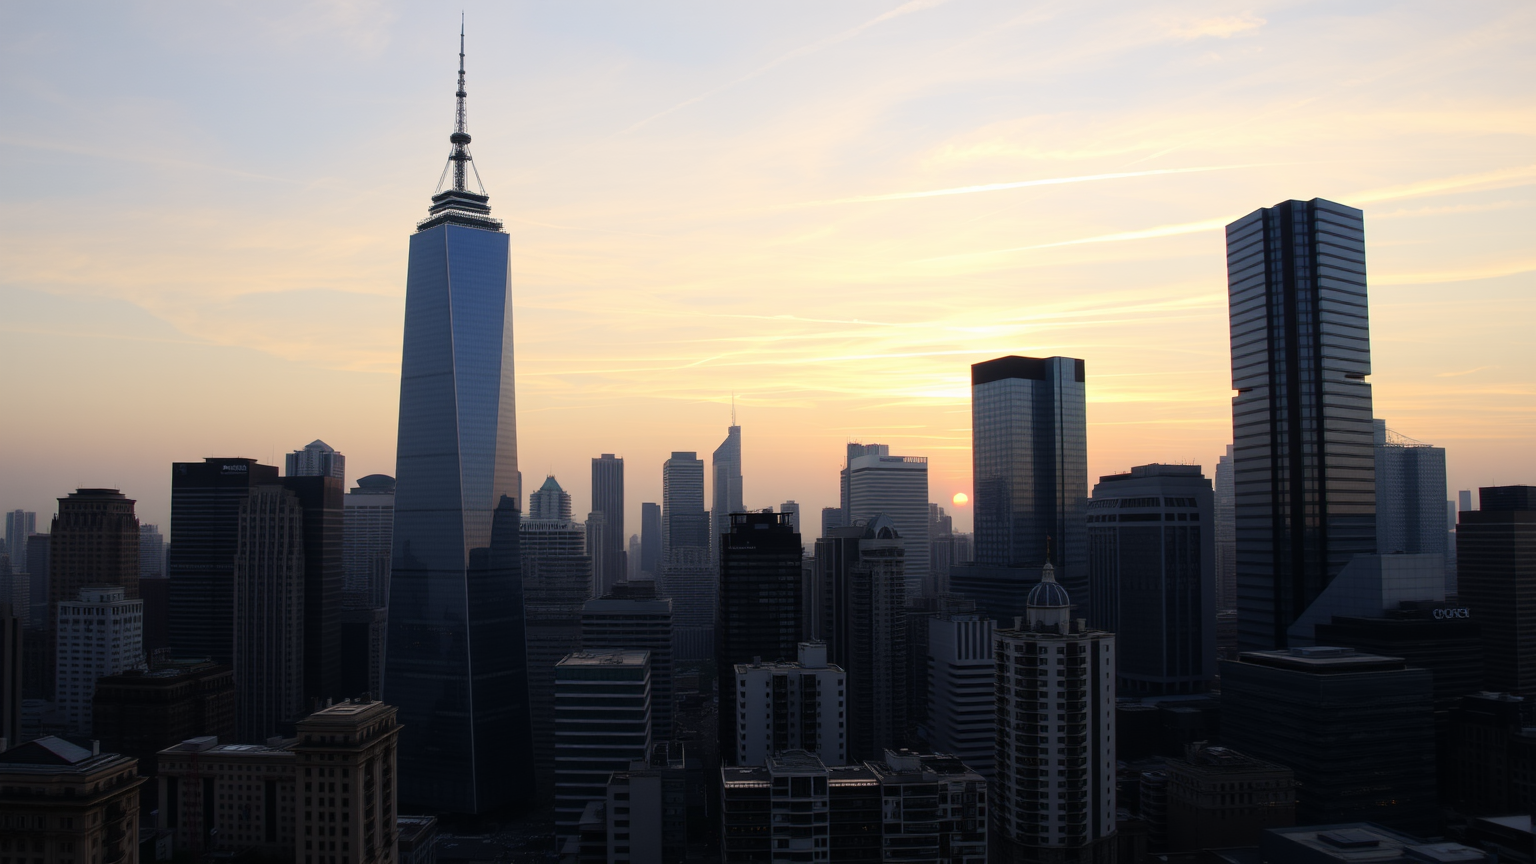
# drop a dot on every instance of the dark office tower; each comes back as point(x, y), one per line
point(368, 522)
point(1150, 553)
point(1410, 497)
point(854, 451)
point(631, 617)
point(759, 602)
point(156, 594)
point(205, 517)
point(151, 552)
point(10, 677)
point(39, 548)
point(550, 502)
point(1029, 456)
point(455, 655)
point(684, 521)
point(650, 539)
point(557, 580)
point(1226, 534)
point(317, 459)
point(19, 525)
point(138, 713)
point(1358, 730)
point(608, 499)
point(322, 499)
point(95, 541)
point(270, 612)
point(1301, 419)
point(726, 498)
point(831, 517)
point(1496, 567)
point(861, 570)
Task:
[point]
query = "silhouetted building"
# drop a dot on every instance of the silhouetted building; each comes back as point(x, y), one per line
point(156, 594)
point(151, 552)
point(19, 525)
point(1491, 755)
point(39, 550)
point(896, 487)
point(726, 498)
point(607, 547)
point(1219, 798)
point(368, 523)
point(791, 705)
point(206, 498)
point(962, 712)
point(1225, 526)
point(861, 571)
point(1151, 556)
point(270, 612)
point(759, 602)
point(693, 584)
point(631, 617)
point(602, 723)
point(1496, 567)
point(70, 801)
point(684, 522)
point(317, 459)
point(322, 500)
point(139, 713)
point(1352, 726)
point(362, 634)
point(831, 517)
point(456, 574)
point(10, 676)
point(557, 580)
point(1410, 496)
point(1302, 455)
point(650, 539)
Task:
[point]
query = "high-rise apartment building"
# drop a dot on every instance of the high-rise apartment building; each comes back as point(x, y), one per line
point(206, 498)
point(368, 523)
point(878, 483)
point(631, 617)
point(602, 722)
point(1358, 730)
point(317, 459)
point(1302, 451)
point(1151, 559)
point(19, 525)
point(760, 601)
point(684, 522)
point(151, 552)
point(726, 488)
point(650, 539)
point(1496, 572)
point(962, 712)
point(860, 570)
point(1226, 533)
point(69, 803)
point(557, 580)
point(1029, 457)
point(791, 705)
point(608, 559)
point(550, 502)
point(269, 642)
point(455, 578)
point(97, 634)
point(1054, 797)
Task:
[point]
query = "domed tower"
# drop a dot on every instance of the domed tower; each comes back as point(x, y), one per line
point(1050, 608)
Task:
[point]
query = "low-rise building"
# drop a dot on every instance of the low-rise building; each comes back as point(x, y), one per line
point(1354, 842)
point(418, 839)
point(1219, 798)
point(63, 804)
point(139, 713)
point(227, 798)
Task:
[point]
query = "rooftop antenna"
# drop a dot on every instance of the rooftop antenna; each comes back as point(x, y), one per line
point(459, 159)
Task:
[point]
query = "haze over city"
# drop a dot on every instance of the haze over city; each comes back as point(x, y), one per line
point(827, 211)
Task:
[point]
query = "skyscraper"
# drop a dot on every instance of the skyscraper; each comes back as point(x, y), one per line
point(1029, 455)
point(962, 711)
point(1496, 565)
point(684, 522)
point(650, 539)
point(557, 580)
point(1301, 419)
point(317, 459)
point(455, 656)
point(726, 496)
point(206, 498)
point(608, 499)
point(19, 525)
point(10, 675)
point(760, 602)
point(550, 502)
point(98, 634)
point(151, 552)
point(94, 541)
point(631, 617)
point(1226, 534)
point(602, 723)
point(897, 487)
point(861, 573)
point(368, 522)
point(269, 612)
point(1150, 551)
point(1410, 497)
point(322, 500)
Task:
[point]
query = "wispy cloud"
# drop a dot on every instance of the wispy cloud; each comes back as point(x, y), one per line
point(1020, 184)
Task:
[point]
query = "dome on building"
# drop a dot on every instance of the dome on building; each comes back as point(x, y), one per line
point(1048, 594)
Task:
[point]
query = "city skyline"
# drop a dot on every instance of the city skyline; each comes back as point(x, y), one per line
point(198, 295)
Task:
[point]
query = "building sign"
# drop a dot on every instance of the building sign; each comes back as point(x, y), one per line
point(1447, 614)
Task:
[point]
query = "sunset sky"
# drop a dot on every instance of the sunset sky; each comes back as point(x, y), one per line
point(828, 209)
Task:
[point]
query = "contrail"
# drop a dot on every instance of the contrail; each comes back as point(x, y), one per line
point(994, 187)
point(1162, 231)
point(904, 9)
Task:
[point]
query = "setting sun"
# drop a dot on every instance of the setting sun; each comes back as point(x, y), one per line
point(961, 499)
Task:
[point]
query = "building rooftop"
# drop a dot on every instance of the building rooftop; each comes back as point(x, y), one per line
point(1223, 760)
point(1322, 659)
point(1362, 843)
point(52, 755)
point(616, 657)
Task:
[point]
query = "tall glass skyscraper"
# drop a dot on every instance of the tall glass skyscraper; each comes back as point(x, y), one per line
point(1029, 457)
point(455, 655)
point(727, 488)
point(608, 499)
point(1303, 469)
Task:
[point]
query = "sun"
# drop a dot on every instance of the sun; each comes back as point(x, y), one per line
point(961, 499)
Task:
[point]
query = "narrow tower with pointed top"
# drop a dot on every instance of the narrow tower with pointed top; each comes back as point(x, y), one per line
point(455, 661)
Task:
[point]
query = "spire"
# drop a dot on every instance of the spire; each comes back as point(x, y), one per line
point(458, 204)
point(459, 156)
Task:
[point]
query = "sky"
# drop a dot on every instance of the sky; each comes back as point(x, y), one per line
point(826, 211)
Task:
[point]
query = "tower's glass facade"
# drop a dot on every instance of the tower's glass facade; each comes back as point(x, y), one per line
point(1030, 466)
point(455, 657)
point(1303, 473)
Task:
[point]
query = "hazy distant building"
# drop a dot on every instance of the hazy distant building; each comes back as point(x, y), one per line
point(598, 548)
point(1496, 565)
point(831, 517)
point(632, 561)
point(693, 584)
point(1464, 500)
point(962, 711)
point(760, 601)
point(269, 644)
point(607, 549)
point(1350, 725)
point(368, 524)
point(151, 552)
point(97, 634)
point(791, 705)
point(549, 502)
point(726, 471)
point(557, 580)
point(19, 525)
point(791, 509)
point(650, 539)
point(684, 522)
point(16, 592)
point(39, 551)
point(602, 721)
point(1226, 534)
point(1410, 497)
point(1302, 455)
point(1054, 796)
point(897, 487)
point(860, 570)
point(1151, 558)
point(631, 617)
point(317, 459)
